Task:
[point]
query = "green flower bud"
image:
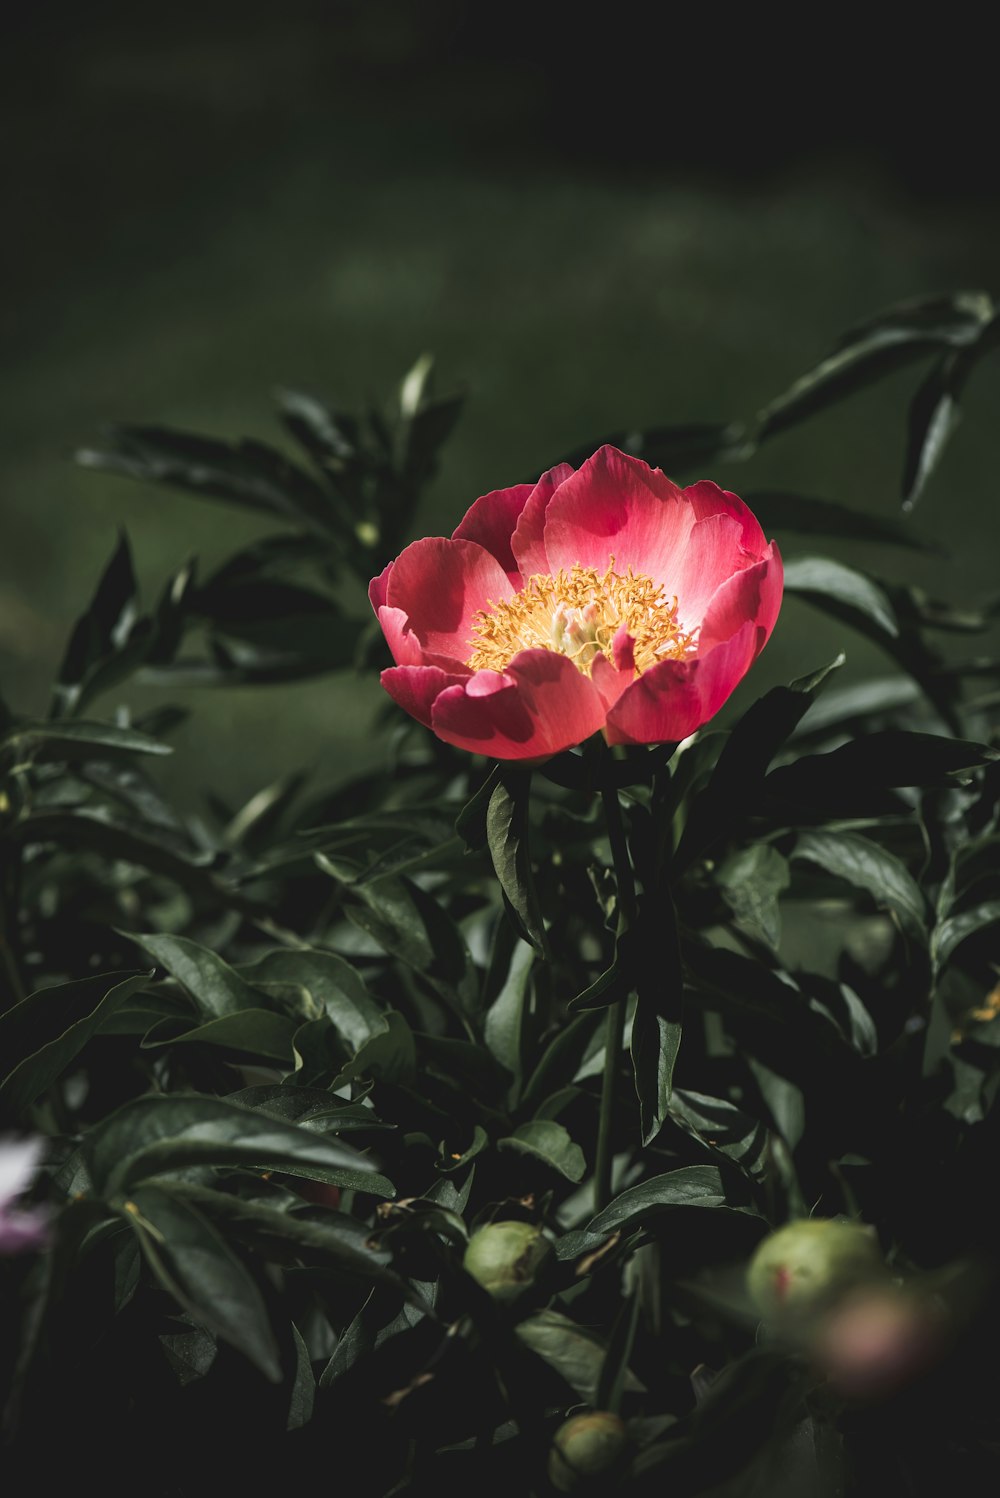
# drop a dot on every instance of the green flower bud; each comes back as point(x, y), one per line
point(803, 1268)
point(507, 1258)
point(585, 1449)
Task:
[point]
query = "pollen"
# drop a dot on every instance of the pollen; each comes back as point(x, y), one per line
point(578, 613)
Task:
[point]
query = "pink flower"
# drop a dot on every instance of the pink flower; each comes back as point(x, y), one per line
point(605, 599)
point(22, 1228)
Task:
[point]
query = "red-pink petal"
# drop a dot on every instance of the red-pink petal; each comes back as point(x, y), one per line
point(611, 680)
point(623, 649)
point(713, 553)
point(416, 688)
point(403, 643)
point(617, 506)
point(669, 701)
point(706, 498)
point(441, 585)
point(540, 705)
point(378, 587)
point(754, 593)
point(490, 523)
point(528, 540)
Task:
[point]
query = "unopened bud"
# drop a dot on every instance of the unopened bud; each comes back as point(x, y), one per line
point(802, 1269)
point(507, 1258)
point(586, 1449)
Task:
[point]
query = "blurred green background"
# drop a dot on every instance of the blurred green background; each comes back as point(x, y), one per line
point(589, 231)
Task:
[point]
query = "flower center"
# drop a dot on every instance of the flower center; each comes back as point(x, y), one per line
point(579, 613)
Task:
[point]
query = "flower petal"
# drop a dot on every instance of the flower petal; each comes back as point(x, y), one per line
point(540, 705)
point(379, 587)
point(611, 680)
point(441, 585)
point(617, 506)
point(416, 688)
point(671, 700)
point(713, 553)
point(490, 523)
point(405, 647)
point(706, 498)
point(23, 1229)
point(528, 540)
point(755, 593)
point(19, 1162)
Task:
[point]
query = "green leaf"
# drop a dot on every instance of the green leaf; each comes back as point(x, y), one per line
point(895, 338)
point(470, 824)
point(955, 318)
point(303, 1396)
point(215, 987)
point(332, 985)
point(784, 1100)
point(450, 1161)
point(154, 1134)
point(445, 1193)
point(673, 448)
point(934, 414)
point(843, 591)
point(767, 1015)
point(253, 1032)
point(70, 742)
point(275, 1232)
point(408, 922)
point(507, 838)
point(190, 1353)
point(327, 436)
point(615, 1375)
point(504, 1024)
point(738, 775)
point(690, 1186)
point(101, 632)
point(389, 1054)
point(875, 761)
point(868, 866)
point(153, 848)
point(655, 1044)
point(357, 1341)
point(778, 511)
point(550, 1143)
point(249, 474)
point(751, 882)
point(575, 1352)
point(290, 630)
point(426, 431)
point(42, 1035)
point(659, 1009)
point(196, 1266)
point(950, 933)
point(561, 1058)
point(721, 1126)
point(309, 1107)
point(867, 699)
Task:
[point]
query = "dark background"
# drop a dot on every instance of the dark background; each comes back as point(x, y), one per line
point(595, 227)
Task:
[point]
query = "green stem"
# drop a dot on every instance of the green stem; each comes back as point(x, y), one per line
point(11, 991)
point(614, 1029)
point(615, 1024)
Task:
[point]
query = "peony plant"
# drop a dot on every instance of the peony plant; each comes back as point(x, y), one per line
point(431, 1117)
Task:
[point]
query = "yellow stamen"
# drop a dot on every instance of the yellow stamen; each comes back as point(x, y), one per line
point(578, 613)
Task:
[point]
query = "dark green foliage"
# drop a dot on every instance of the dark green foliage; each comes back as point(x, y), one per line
point(287, 1058)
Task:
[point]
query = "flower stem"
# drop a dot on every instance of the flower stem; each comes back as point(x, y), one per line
point(614, 1029)
point(615, 1023)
